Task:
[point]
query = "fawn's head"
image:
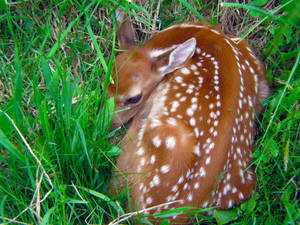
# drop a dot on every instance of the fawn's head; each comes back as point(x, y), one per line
point(138, 70)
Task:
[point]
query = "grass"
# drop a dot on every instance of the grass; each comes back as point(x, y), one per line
point(56, 151)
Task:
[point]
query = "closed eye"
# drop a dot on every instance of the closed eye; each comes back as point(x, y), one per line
point(133, 100)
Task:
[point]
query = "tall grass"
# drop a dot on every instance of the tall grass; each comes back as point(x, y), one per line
point(56, 152)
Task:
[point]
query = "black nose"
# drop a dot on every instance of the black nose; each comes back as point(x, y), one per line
point(117, 133)
point(113, 127)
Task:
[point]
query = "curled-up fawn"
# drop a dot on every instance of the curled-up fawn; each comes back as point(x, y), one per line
point(191, 93)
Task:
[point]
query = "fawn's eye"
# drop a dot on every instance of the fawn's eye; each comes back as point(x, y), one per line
point(133, 100)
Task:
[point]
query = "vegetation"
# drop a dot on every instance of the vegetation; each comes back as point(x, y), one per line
point(56, 151)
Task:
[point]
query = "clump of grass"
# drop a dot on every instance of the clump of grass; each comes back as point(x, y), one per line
point(56, 154)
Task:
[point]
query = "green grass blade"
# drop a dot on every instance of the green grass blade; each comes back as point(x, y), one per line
point(68, 29)
point(192, 10)
point(82, 137)
point(4, 141)
point(46, 218)
point(99, 53)
point(261, 11)
point(292, 73)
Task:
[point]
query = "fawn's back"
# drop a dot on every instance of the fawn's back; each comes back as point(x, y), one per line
point(192, 93)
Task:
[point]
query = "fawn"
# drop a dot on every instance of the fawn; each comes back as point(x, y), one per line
point(191, 94)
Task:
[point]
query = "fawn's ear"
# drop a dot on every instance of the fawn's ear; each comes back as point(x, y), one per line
point(126, 33)
point(168, 60)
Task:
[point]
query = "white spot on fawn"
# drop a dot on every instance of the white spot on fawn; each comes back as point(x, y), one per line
point(171, 121)
point(178, 79)
point(202, 172)
point(152, 159)
point(165, 169)
point(181, 179)
point(155, 123)
point(174, 188)
point(142, 162)
point(193, 67)
point(156, 180)
point(241, 196)
point(207, 161)
point(170, 142)
point(196, 150)
point(185, 71)
point(175, 104)
point(192, 121)
point(234, 190)
point(190, 112)
point(148, 201)
point(156, 141)
point(140, 151)
point(190, 197)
